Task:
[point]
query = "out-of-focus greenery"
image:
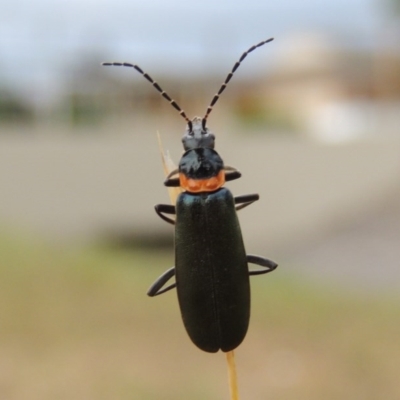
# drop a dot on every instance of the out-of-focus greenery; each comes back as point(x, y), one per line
point(78, 325)
point(14, 110)
point(394, 6)
point(252, 112)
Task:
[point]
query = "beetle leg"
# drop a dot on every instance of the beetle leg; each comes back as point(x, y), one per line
point(261, 261)
point(245, 200)
point(160, 282)
point(170, 181)
point(231, 173)
point(167, 209)
point(230, 176)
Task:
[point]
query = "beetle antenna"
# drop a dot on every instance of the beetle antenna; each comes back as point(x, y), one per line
point(156, 85)
point(228, 78)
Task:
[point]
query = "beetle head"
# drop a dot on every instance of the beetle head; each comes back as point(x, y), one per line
point(198, 135)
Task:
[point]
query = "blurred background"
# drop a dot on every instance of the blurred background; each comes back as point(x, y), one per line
point(312, 122)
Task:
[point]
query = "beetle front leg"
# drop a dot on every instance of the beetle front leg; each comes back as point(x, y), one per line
point(166, 209)
point(245, 200)
point(160, 282)
point(231, 173)
point(170, 181)
point(262, 262)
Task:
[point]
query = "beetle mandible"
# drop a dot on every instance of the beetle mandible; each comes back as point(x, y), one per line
point(211, 265)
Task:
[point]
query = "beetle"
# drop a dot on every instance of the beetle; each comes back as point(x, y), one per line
point(211, 265)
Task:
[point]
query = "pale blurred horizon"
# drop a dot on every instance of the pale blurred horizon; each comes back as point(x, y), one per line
point(41, 41)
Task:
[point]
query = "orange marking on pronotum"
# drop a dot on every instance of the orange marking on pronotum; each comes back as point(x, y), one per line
point(202, 185)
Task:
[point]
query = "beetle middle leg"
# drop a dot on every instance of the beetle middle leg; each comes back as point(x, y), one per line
point(155, 288)
point(262, 262)
point(245, 200)
point(162, 209)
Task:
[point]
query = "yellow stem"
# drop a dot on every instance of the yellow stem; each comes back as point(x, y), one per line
point(233, 386)
point(168, 166)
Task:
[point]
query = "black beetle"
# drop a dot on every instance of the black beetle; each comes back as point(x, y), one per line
point(211, 266)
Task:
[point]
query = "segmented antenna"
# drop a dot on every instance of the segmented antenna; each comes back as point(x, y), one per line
point(228, 78)
point(156, 85)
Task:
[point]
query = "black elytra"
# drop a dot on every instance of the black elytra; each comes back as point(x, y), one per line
point(211, 265)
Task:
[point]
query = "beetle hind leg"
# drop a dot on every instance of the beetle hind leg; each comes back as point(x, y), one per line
point(262, 262)
point(155, 288)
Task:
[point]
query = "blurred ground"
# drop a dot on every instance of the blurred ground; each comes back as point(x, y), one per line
point(363, 253)
point(331, 209)
point(78, 325)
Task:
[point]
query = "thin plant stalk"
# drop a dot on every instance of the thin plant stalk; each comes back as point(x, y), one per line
point(233, 385)
point(168, 166)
